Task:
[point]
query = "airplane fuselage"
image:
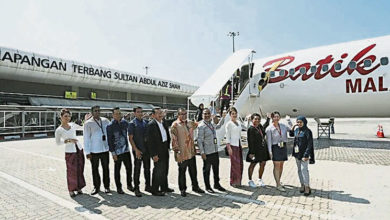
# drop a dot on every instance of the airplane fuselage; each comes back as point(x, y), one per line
point(343, 80)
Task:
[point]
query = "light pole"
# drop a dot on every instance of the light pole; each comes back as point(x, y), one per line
point(146, 69)
point(233, 34)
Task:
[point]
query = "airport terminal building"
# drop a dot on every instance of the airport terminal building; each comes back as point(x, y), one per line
point(33, 87)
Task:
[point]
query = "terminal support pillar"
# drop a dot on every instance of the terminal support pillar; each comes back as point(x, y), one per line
point(164, 100)
point(128, 96)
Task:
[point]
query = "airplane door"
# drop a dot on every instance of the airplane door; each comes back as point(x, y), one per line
point(253, 85)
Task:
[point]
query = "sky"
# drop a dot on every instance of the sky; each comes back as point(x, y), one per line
point(183, 40)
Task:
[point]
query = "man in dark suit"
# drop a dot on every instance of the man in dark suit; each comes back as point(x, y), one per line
point(158, 140)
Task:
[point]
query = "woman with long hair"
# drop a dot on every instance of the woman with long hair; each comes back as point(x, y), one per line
point(199, 112)
point(65, 135)
point(258, 151)
point(233, 145)
point(303, 149)
point(276, 141)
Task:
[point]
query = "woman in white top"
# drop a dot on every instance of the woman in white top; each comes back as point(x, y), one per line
point(276, 141)
point(74, 156)
point(233, 145)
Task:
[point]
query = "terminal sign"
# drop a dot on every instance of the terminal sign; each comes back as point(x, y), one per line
point(66, 66)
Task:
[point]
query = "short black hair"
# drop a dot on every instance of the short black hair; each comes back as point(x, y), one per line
point(254, 115)
point(137, 107)
point(115, 108)
point(93, 107)
point(155, 109)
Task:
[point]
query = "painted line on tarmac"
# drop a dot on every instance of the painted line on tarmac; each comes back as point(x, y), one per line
point(227, 196)
point(34, 154)
point(56, 199)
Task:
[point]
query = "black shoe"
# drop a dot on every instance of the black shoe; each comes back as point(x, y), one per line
point(169, 190)
point(198, 190)
point(220, 188)
point(120, 191)
point(158, 193)
point(210, 190)
point(107, 190)
point(183, 193)
point(148, 189)
point(72, 194)
point(131, 188)
point(79, 192)
point(137, 193)
point(307, 193)
point(95, 191)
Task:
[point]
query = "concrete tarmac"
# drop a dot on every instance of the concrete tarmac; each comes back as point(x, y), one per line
point(350, 180)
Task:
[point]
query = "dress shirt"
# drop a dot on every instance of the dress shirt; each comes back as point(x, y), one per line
point(273, 135)
point(117, 137)
point(206, 135)
point(93, 142)
point(182, 133)
point(62, 134)
point(137, 128)
point(233, 133)
point(163, 132)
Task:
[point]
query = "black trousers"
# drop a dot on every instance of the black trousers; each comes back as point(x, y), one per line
point(145, 160)
point(212, 160)
point(160, 172)
point(104, 160)
point(225, 103)
point(124, 158)
point(191, 164)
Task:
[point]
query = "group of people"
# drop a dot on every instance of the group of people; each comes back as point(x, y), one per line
point(152, 139)
point(269, 141)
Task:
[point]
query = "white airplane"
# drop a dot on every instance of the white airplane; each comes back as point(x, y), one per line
point(342, 80)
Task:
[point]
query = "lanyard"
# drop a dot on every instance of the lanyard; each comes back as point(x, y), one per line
point(279, 130)
point(211, 128)
point(259, 130)
point(100, 125)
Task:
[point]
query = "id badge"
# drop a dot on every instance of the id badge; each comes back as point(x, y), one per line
point(296, 149)
point(215, 140)
point(281, 144)
point(104, 137)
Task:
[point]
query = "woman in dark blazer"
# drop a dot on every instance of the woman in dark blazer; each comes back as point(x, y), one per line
point(258, 151)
